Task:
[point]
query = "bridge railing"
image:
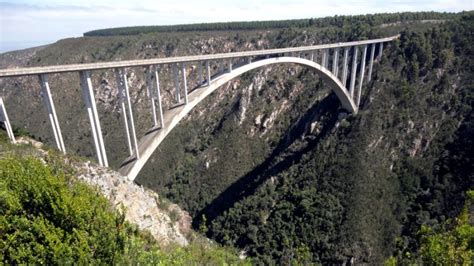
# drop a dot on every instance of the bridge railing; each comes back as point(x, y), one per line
point(195, 58)
point(208, 68)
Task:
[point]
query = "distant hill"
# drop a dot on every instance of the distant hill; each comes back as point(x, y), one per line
point(336, 21)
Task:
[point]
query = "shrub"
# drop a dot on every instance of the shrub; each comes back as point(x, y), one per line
point(46, 217)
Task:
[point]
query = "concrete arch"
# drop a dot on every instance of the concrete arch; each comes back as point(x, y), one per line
point(149, 143)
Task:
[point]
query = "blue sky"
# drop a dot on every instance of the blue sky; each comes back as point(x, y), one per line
point(27, 23)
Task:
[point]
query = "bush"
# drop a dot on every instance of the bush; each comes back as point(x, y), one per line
point(48, 218)
point(45, 218)
point(453, 246)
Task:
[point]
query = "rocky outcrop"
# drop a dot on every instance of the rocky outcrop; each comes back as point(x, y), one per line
point(143, 207)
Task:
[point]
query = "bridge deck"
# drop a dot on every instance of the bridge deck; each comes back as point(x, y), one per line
point(144, 148)
point(170, 60)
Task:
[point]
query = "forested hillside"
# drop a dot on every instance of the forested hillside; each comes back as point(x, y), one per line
point(330, 186)
point(270, 163)
point(336, 21)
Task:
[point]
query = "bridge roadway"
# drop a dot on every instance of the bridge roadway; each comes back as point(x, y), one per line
point(140, 150)
point(13, 72)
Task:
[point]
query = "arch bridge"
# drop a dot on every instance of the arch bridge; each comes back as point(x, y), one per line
point(338, 64)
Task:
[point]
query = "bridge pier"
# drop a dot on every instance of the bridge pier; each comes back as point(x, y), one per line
point(155, 97)
point(150, 95)
point(158, 97)
point(353, 72)
point(327, 59)
point(371, 60)
point(208, 73)
point(324, 58)
point(230, 65)
point(124, 92)
point(6, 121)
point(335, 63)
point(200, 73)
point(361, 77)
point(345, 66)
point(176, 83)
point(185, 84)
point(123, 107)
point(221, 66)
point(89, 100)
point(53, 118)
point(380, 51)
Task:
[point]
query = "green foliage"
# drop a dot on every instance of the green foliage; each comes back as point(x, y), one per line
point(337, 21)
point(48, 218)
point(450, 244)
point(391, 261)
point(453, 244)
point(44, 219)
point(357, 191)
point(202, 227)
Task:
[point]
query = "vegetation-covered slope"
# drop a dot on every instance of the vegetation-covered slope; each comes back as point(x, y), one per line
point(336, 21)
point(322, 184)
point(48, 217)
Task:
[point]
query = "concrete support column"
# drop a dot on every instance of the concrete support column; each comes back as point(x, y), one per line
point(327, 59)
point(249, 60)
point(6, 121)
point(185, 83)
point(221, 67)
point(125, 91)
point(150, 90)
point(345, 66)
point(158, 97)
point(176, 83)
point(312, 55)
point(380, 51)
point(230, 65)
point(89, 100)
point(371, 60)
point(200, 73)
point(53, 118)
point(208, 72)
point(361, 75)
point(353, 72)
point(123, 107)
point(335, 62)
point(324, 58)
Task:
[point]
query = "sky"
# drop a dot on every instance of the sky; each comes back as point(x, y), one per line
point(28, 23)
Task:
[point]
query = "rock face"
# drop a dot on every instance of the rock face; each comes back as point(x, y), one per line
point(143, 207)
